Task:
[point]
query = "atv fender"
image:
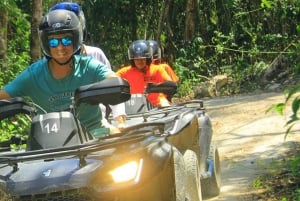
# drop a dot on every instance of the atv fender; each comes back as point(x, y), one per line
point(205, 136)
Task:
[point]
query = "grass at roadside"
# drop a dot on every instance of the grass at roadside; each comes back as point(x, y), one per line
point(282, 182)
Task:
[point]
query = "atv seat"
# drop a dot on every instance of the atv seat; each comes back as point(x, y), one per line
point(56, 130)
point(137, 104)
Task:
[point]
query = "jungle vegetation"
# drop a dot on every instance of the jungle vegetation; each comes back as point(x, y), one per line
point(199, 38)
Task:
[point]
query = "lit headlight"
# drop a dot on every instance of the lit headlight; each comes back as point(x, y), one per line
point(127, 172)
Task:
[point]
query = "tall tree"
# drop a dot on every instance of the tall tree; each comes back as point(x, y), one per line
point(3, 37)
point(37, 12)
point(190, 20)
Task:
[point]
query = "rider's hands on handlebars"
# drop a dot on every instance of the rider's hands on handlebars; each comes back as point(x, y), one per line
point(120, 125)
point(164, 103)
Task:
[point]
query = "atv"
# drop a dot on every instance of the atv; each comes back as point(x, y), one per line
point(189, 130)
point(157, 157)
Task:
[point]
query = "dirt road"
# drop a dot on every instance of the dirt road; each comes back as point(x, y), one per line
point(249, 139)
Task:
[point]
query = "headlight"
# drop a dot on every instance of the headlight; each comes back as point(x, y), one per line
point(127, 172)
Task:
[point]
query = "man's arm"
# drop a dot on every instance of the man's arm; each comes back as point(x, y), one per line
point(111, 75)
point(118, 110)
point(4, 95)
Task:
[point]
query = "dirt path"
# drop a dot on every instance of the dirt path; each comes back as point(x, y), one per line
point(248, 139)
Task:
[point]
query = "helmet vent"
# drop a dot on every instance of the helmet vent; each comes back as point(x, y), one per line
point(68, 20)
point(57, 25)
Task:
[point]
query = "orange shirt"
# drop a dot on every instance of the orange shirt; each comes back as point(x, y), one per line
point(170, 72)
point(138, 80)
point(168, 69)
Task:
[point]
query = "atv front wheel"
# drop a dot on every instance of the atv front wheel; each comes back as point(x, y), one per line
point(193, 176)
point(179, 175)
point(210, 186)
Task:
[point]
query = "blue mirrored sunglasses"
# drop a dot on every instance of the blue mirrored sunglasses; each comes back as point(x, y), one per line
point(54, 42)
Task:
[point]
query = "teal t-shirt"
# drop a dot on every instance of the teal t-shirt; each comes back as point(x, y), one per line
point(55, 95)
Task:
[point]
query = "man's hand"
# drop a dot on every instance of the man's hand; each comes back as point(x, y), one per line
point(164, 102)
point(121, 122)
point(114, 130)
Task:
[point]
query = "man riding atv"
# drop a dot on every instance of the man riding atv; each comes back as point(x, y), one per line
point(51, 81)
point(142, 71)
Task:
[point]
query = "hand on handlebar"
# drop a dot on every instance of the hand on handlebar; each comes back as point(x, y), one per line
point(164, 103)
point(120, 125)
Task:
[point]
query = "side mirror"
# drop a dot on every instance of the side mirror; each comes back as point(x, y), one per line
point(111, 91)
point(13, 106)
point(168, 87)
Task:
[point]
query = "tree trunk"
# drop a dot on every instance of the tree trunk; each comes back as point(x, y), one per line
point(224, 16)
point(37, 12)
point(190, 20)
point(161, 21)
point(3, 38)
point(164, 22)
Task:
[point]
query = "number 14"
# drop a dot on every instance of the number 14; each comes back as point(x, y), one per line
point(51, 129)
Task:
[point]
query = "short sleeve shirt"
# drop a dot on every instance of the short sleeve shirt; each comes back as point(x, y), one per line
point(98, 54)
point(138, 80)
point(55, 95)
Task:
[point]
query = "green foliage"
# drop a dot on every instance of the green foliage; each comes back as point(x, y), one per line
point(282, 181)
point(294, 164)
point(292, 100)
point(18, 44)
point(257, 182)
point(17, 60)
point(293, 97)
point(237, 35)
point(118, 23)
point(185, 84)
point(239, 38)
point(189, 66)
point(266, 3)
point(15, 126)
